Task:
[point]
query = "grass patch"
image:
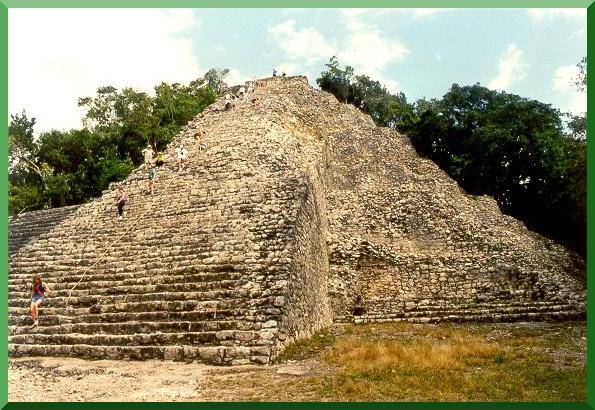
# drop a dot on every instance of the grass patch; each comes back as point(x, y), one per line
point(307, 348)
point(451, 362)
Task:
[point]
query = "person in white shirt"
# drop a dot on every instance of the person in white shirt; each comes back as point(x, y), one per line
point(148, 154)
point(182, 153)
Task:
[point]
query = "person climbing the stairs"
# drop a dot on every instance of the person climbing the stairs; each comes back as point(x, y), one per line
point(148, 154)
point(152, 177)
point(39, 291)
point(182, 153)
point(200, 136)
point(121, 201)
point(159, 159)
point(228, 103)
point(242, 93)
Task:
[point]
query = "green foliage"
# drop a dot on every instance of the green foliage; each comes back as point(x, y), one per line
point(513, 149)
point(64, 168)
point(23, 196)
point(492, 143)
point(337, 81)
point(214, 78)
point(370, 96)
point(581, 81)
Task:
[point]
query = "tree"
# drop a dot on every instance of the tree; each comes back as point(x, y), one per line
point(22, 151)
point(27, 175)
point(337, 81)
point(577, 124)
point(64, 168)
point(512, 148)
point(581, 80)
point(214, 78)
point(368, 95)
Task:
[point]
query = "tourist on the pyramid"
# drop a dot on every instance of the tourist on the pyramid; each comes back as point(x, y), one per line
point(182, 153)
point(274, 73)
point(242, 92)
point(247, 93)
point(227, 102)
point(39, 291)
point(121, 201)
point(200, 136)
point(152, 177)
point(202, 140)
point(148, 154)
point(283, 75)
point(159, 159)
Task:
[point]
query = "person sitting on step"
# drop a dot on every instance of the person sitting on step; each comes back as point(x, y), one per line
point(39, 291)
point(122, 199)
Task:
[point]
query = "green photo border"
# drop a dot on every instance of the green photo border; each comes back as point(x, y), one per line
point(6, 4)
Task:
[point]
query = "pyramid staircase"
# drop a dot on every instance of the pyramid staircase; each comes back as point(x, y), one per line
point(185, 282)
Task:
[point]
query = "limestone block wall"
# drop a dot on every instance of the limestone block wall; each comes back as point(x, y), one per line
point(406, 242)
point(306, 304)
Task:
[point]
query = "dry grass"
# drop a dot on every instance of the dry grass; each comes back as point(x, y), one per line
point(456, 352)
point(406, 362)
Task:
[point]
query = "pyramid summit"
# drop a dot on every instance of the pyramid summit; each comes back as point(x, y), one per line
point(300, 213)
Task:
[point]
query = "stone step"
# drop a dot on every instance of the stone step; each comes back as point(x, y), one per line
point(201, 273)
point(217, 355)
point(460, 304)
point(528, 312)
point(138, 339)
point(54, 317)
point(238, 305)
point(103, 300)
point(194, 249)
point(504, 311)
point(108, 288)
point(131, 327)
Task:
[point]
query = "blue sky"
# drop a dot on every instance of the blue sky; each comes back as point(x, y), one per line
point(58, 55)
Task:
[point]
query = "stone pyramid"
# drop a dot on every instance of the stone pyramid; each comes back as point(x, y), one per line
point(299, 213)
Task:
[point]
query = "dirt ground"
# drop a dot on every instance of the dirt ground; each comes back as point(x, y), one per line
point(70, 379)
point(301, 375)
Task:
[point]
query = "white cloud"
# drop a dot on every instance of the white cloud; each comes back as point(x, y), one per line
point(308, 44)
point(512, 69)
point(59, 55)
point(367, 51)
point(546, 14)
point(564, 77)
point(370, 54)
point(414, 13)
point(563, 83)
point(364, 48)
point(235, 77)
